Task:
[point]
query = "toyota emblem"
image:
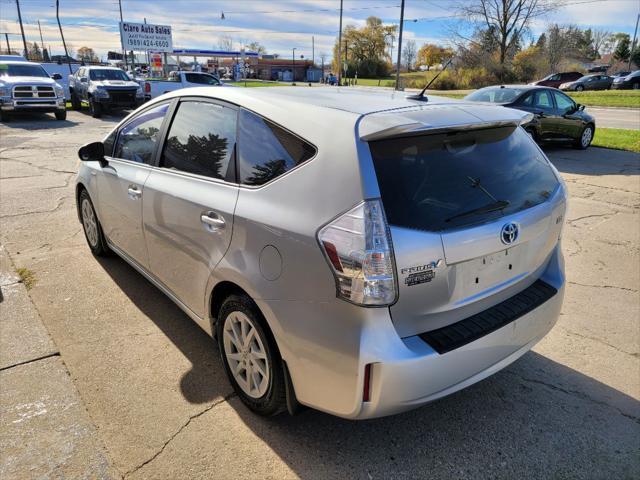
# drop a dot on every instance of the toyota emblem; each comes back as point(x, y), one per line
point(509, 233)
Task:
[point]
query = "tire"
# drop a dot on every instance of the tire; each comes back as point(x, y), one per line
point(579, 88)
point(95, 109)
point(239, 314)
point(91, 226)
point(584, 140)
point(61, 115)
point(76, 104)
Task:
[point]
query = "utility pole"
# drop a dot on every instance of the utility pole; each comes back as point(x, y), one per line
point(293, 66)
point(399, 45)
point(340, 47)
point(24, 40)
point(6, 37)
point(633, 44)
point(124, 52)
point(41, 40)
point(64, 44)
point(313, 51)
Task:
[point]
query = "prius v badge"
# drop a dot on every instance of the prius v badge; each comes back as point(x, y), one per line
point(421, 273)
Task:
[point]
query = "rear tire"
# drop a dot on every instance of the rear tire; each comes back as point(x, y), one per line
point(91, 226)
point(585, 138)
point(61, 115)
point(579, 88)
point(250, 356)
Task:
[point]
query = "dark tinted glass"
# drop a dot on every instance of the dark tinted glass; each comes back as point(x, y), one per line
point(138, 138)
point(201, 78)
point(543, 99)
point(495, 95)
point(201, 139)
point(438, 182)
point(266, 151)
point(26, 70)
point(109, 142)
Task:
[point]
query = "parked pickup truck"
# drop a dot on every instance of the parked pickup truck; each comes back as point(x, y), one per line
point(26, 86)
point(177, 80)
point(104, 89)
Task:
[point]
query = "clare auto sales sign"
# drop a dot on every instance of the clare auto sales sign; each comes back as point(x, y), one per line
point(144, 36)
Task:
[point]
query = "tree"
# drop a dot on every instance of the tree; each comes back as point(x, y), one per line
point(430, 54)
point(256, 47)
point(599, 36)
point(364, 49)
point(635, 56)
point(35, 55)
point(225, 43)
point(86, 54)
point(409, 53)
point(542, 41)
point(527, 63)
point(622, 51)
point(506, 21)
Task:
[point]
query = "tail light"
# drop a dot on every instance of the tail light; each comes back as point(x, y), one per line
point(358, 247)
point(147, 88)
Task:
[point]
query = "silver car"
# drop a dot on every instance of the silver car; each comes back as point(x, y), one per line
point(359, 253)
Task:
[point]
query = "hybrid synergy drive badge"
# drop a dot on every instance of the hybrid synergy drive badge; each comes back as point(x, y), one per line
point(420, 273)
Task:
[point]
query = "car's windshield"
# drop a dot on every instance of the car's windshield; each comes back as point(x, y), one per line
point(22, 70)
point(446, 181)
point(107, 74)
point(495, 95)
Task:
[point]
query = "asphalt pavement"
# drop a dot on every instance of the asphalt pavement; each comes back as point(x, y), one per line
point(156, 402)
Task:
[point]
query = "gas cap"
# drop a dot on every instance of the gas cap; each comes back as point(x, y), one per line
point(270, 263)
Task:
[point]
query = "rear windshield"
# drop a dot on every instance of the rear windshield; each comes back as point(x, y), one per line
point(445, 181)
point(495, 95)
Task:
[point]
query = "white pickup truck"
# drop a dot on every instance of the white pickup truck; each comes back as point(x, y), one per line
point(177, 80)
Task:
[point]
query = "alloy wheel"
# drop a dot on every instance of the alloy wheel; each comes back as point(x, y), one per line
point(246, 354)
point(89, 222)
point(586, 137)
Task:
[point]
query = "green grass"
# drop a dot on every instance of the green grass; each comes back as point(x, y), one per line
point(608, 98)
point(617, 138)
point(258, 83)
point(27, 277)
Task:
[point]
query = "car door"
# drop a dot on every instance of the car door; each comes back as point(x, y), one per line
point(540, 103)
point(569, 122)
point(190, 199)
point(121, 182)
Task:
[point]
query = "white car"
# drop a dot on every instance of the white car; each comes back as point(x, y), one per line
point(26, 86)
point(178, 80)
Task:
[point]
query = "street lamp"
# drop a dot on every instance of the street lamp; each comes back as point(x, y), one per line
point(293, 67)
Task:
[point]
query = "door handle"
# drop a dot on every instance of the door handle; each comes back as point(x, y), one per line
point(134, 192)
point(212, 221)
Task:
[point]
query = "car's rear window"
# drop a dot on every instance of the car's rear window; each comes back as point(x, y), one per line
point(446, 181)
point(495, 95)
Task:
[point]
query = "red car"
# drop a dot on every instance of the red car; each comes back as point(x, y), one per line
point(556, 79)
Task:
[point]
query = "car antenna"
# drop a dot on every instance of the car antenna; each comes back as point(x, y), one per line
point(420, 96)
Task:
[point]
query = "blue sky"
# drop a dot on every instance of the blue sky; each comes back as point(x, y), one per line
point(277, 24)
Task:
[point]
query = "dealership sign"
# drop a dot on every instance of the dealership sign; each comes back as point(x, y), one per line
point(144, 36)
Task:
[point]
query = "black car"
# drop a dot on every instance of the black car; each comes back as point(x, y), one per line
point(557, 118)
point(630, 81)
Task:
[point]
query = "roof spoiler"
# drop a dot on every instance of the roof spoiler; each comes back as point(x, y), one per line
point(417, 128)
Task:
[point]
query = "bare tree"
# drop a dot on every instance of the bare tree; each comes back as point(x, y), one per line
point(409, 53)
point(225, 43)
point(599, 37)
point(508, 20)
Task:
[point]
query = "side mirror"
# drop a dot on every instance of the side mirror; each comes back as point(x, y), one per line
point(92, 152)
point(56, 76)
point(580, 107)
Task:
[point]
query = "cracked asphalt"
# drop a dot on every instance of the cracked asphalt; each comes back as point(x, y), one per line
point(154, 389)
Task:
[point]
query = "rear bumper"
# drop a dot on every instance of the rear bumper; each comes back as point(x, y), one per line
point(327, 346)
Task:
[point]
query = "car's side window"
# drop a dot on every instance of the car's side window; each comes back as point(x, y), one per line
point(109, 143)
point(200, 78)
point(543, 99)
point(266, 150)
point(527, 100)
point(555, 77)
point(565, 104)
point(137, 139)
point(201, 140)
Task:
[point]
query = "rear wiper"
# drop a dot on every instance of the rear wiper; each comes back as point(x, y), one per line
point(490, 207)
